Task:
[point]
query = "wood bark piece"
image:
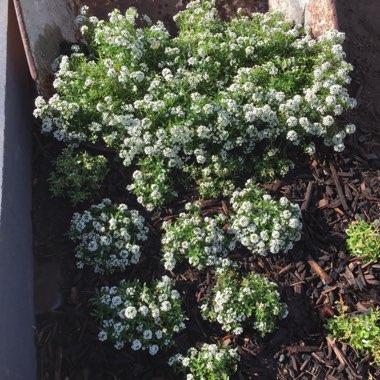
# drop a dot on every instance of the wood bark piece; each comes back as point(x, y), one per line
point(338, 186)
point(302, 348)
point(309, 190)
point(342, 358)
point(319, 271)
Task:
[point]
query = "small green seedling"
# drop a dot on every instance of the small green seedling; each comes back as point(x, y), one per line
point(364, 240)
point(360, 331)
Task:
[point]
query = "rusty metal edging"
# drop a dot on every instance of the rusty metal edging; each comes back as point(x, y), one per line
point(25, 40)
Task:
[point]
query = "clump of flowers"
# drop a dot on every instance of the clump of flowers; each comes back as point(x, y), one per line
point(363, 240)
point(152, 184)
point(144, 317)
point(236, 302)
point(202, 241)
point(109, 237)
point(213, 101)
point(209, 362)
point(77, 175)
point(263, 224)
point(360, 331)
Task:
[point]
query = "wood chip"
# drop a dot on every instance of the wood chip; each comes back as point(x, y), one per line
point(285, 269)
point(319, 271)
point(309, 190)
point(323, 203)
point(338, 187)
point(302, 348)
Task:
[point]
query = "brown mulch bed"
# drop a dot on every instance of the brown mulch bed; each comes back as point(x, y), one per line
point(332, 190)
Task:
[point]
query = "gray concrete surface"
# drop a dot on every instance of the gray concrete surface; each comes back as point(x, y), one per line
point(46, 24)
point(17, 351)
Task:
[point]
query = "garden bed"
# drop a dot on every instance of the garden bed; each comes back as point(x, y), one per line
point(318, 272)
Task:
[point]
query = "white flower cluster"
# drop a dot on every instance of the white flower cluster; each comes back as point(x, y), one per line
point(109, 237)
point(219, 96)
point(210, 361)
point(146, 317)
point(263, 224)
point(152, 184)
point(200, 240)
point(238, 301)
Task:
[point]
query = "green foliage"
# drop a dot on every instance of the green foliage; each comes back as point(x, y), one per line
point(363, 240)
point(237, 301)
point(77, 175)
point(361, 331)
point(210, 362)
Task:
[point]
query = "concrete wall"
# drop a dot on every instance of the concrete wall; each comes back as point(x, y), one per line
point(17, 350)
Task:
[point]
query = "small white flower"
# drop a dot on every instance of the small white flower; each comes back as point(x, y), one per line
point(130, 312)
point(136, 345)
point(102, 336)
point(350, 128)
point(147, 334)
point(153, 349)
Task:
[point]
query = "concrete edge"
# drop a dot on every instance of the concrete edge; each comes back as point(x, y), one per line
point(17, 347)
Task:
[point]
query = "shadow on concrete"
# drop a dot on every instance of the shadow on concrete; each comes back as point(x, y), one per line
point(17, 351)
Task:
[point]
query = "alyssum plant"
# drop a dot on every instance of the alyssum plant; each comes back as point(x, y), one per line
point(77, 175)
point(220, 101)
point(263, 224)
point(109, 237)
point(210, 361)
point(202, 241)
point(144, 317)
point(236, 302)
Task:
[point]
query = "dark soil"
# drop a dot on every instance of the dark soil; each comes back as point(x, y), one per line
point(331, 191)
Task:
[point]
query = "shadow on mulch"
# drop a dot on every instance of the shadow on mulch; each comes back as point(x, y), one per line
point(318, 273)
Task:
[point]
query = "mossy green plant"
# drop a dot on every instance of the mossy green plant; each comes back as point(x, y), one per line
point(360, 331)
point(364, 240)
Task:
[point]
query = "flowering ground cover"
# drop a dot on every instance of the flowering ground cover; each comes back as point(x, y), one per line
point(215, 222)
